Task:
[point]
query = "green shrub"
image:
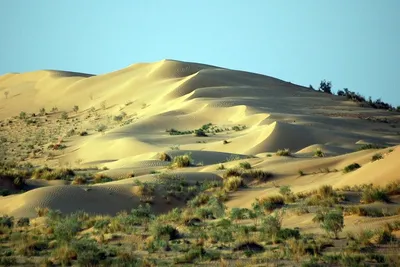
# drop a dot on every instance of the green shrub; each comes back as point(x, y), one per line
point(65, 230)
point(318, 153)
point(189, 257)
point(351, 167)
point(164, 156)
point(24, 221)
point(283, 152)
point(331, 221)
point(182, 161)
point(370, 146)
point(64, 115)
point(271, 225)
point(232, 172)
point(376, 157)
point(287, 233)
point(259, 175)
point(245, 165)
point(158, 231)
point(372, 194)
point(233, 183)
point(271, 203)
point(285, 190)
point(6, 221)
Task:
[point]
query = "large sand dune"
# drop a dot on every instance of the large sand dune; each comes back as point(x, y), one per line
point(184, 96)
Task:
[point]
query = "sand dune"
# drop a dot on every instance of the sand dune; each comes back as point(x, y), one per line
point(155, 97)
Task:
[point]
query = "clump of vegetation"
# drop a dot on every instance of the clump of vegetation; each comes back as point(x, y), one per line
point(351, 167)
point(376, 157)
point(64, 115)
point(233, 183)
point(331, 221)
point(371, 146)
point(101, 178)
point(164, 156)
point(182, 161)
point(318, 153)
point(283, 152)
point(245, 165)
point(324, 196)
point(269, 203)
point(259, 175)
point(373, 194)
point(52, 174)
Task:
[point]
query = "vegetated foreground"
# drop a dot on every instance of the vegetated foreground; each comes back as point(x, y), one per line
point(204, 166)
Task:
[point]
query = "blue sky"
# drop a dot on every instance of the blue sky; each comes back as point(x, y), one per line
point(354, 44)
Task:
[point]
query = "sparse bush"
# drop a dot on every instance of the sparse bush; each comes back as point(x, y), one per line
point(24, 221)
point(271, 225)
point(259, 175)
point(6, 221)
point(245, 165)
point(232, 172)
point(233, 183)
point(331, 221)
point(79, 180)
point(158, 231)
point(75, 109)
point(182, 161)
point(270, 203)
point(301, 173)
point(318, 153)
point(64, 115)
point(351, 167)
point(42, 111)
point(283, 152)
point(376, 157)
point(22, 115)
point(325, 87)
point(101, 128)
point(164, 156)
point(41, 211)
point(101, 178)
point(200, 133)
point(373, 194)
point(371, 146)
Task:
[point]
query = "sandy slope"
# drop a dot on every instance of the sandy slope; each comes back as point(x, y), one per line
point(182, 95)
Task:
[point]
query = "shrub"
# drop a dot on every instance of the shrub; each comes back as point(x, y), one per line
point(41, 211)
point(75, 109)
point(101, 128)
point(271, 203)
point(65, 230)
point(6, 221)
point(64, 115)
point(101, 178)
point(164, 156)
point(371, 146)
point(287, 233)
point(233, 183)
point(285, 190)
point(318, 153)
point(157, 230)
point(182, 161)
point(376, 157)
point(325, 87)
point(331, 221)
point(79, 180)
point(22, 115)
point(232, 172)
point(23, 222)
point(393, 188)
point(271, 225)
point(245, 165)
point(200, 133)
point(259, 175)
point(283, 152)
point(372, 194)
point(351, 167)
point(189, 257)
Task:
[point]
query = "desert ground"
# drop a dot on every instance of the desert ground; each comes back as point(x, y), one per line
point(178, 163)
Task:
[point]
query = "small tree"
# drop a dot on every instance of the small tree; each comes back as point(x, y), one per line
point(64, 115)
point(42, 111)
point(6, 94)
point(332, 221)
point(75, 109)
point(325, 87)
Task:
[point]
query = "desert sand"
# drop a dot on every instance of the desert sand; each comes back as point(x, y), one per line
point(256, 114)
